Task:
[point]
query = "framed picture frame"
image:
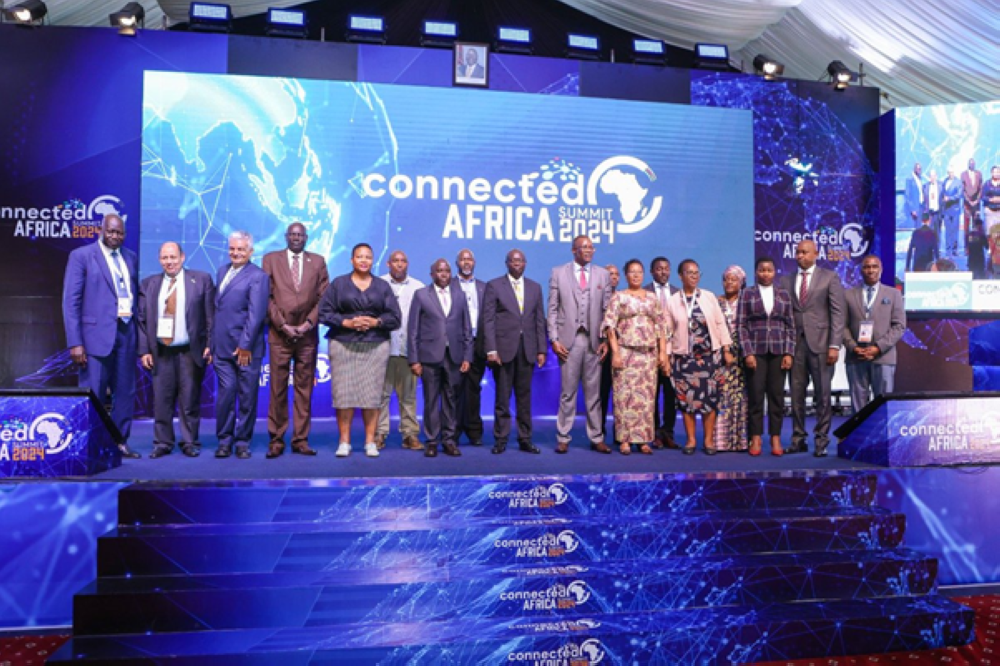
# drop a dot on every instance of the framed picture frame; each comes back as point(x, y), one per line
point(471, 65)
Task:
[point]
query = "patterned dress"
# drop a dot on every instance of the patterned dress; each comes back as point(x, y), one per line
point(731, 424)
point(695, 373)
point(638, 321)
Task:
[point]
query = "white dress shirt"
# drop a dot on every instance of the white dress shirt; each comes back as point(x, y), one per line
point(404, 292)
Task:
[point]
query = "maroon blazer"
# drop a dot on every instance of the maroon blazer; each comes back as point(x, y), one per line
point(287, 306)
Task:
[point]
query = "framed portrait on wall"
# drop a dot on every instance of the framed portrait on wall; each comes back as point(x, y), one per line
point(472, 64)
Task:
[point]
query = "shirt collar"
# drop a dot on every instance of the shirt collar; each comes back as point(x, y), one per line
point(179, 276)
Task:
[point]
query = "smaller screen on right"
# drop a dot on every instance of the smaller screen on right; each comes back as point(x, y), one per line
point(948, 207)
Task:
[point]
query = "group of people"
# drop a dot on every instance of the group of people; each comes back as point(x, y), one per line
point(939, 209)
point(651, 348)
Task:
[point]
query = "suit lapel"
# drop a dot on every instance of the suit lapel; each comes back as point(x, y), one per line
point(105, 270)
point(190, 285)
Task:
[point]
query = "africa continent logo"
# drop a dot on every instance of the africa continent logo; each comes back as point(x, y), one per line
point(106, 204)
point(54, 430)
point(623, 176)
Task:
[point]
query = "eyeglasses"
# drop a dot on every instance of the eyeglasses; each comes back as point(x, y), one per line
point(692, 273)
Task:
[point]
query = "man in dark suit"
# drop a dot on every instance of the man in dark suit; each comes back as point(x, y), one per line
point(972, 193)
point(99, 293)
point(818, 310)
point(665, 414)
point(439, 352)
point(298, 279)
point(470, 68)
point(176, 312)
point(914, 201)
point(876, 320)
point(238, 345)
point(469, 403)
point(514, 320)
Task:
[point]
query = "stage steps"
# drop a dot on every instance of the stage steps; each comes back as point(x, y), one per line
point(616, 569)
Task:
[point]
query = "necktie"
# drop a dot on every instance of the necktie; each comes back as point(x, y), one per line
point(583, 278)
point(520, 296)
point(120, 287)
point(227, 279)
point(804, 288)
point(296, 272)
point(170, 308)
point(445, 301)
point(662, 289)
point(869, 299)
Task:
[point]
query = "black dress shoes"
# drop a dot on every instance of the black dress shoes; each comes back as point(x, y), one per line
point(499, 447)
point(796, 448)
point(129, 453)
point(242, 453)
point(451, 450)
point(159, 452)
point(223, 452)
point(191, 451)
point(430, 450)
point(476, 442)
point(303, 449)
point(820, 451)
point(528, 447)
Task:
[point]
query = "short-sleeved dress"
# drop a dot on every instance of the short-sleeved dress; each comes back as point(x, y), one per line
point(638, 322)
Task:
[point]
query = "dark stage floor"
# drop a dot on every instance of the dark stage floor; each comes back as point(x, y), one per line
point(475, 461)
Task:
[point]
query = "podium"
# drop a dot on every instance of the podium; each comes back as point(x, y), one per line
point(48, 433)
point(924, 429)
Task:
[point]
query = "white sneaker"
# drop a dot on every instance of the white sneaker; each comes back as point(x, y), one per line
point(371, 450)
point(344, 450)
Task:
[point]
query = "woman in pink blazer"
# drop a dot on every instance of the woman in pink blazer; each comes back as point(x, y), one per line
point(698, 345)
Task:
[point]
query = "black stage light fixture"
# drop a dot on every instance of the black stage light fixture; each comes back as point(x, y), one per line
point(368, 29)
point(439, 34)
point(286, 23)
point(769, 67)
point(840, 75)
point(513, 40)
point(649, 52)
point(210, 17)
point(129, 18)
point(583, 47)
point(711, 56)
point(29, 12)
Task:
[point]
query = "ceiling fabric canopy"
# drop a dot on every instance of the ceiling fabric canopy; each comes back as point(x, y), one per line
point(917, 53)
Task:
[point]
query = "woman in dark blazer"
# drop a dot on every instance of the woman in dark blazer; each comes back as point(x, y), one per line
point(360, 311)
point(766, 330)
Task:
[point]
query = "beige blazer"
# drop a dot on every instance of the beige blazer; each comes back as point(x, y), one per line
point(677, 322)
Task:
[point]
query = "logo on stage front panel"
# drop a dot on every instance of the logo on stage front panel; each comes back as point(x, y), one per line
point(45, 436)
point(71, 218)
point(539, 497)
point(558, 597)
point(547, 545)
point(587, 653)
point(555, 202)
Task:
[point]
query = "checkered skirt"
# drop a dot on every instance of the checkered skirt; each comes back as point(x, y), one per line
point(357, 373)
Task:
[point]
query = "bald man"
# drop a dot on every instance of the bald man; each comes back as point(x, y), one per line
point(176, 314)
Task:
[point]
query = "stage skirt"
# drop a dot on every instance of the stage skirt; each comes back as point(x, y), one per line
point(634, 395)
point(357, 373)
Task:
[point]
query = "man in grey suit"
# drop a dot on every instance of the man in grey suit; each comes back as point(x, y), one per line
point(876, 321)
point(176, 314)
point(818, 310)
point(578, 296)
point(439, 352)
point(514, 319)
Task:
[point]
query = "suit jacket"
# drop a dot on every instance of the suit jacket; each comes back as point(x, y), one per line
point(677, 322)
point(972, 186)
point(479, 343)
point(240, 312)
point(914, 202)
point(287, 306)
point(505, 325)
point(564, 304)
point(90, 298)
point(652, 287)
point(763, 333)
point(952, 194)
point(432, 333)
point(822, 316)
point(889, 318)
point(199, 313)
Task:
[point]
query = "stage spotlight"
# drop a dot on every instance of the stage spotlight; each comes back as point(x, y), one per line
point(840, 75)
point(649, 52)
point(286, 23)
point(439, 33)
point(209, 17)
point(513, 40)
point(130, 17)
point(368, 29)
point(583, 47)
point(29, 12)
point(770, 68)
point(711, 56)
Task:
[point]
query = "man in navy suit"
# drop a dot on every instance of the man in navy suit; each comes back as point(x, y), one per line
point(439, 352)
point(514, 319)
point(469, 405)
point(914, 201)
point(665, 410)
point(176, 311)
point(238, 345)
point(99, 292)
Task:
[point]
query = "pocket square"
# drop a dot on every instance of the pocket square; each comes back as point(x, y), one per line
point(885, 301)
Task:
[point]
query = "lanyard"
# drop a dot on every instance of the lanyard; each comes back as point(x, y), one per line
point(691, 304)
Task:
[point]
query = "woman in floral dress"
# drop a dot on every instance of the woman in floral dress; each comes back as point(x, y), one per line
point(731, 423)
point(635, 328)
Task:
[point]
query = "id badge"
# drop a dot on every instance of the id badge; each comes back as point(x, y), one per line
point(125, 306)
point(866, 332)
point(165, 328)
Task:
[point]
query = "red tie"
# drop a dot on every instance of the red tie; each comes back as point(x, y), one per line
point(583, 278)
point(804, 287)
